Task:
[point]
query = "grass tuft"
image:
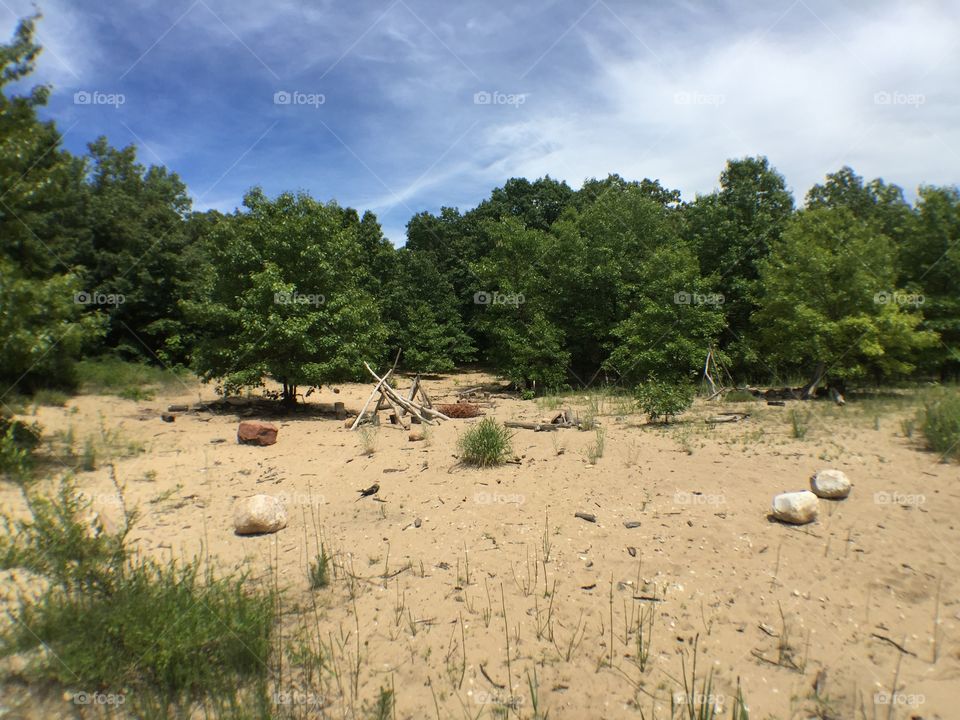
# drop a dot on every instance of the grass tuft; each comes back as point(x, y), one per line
point(486, 444)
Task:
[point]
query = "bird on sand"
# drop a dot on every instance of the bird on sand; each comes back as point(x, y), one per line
point(372, 490)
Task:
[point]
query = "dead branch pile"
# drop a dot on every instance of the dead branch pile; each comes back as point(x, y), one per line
point(416, 404)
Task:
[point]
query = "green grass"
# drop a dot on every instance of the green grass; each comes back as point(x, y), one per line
point(50, 398)
point(485, 444)
point(135, 381)
point(940, 422)
point(320, 570)
point(739, 396)
point(161, 633)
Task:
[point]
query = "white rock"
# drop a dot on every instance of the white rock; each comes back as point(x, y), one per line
point(259, 514)
point(796, 507)
point(831, 484)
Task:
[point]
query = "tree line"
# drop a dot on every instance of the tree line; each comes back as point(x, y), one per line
point(621, 281)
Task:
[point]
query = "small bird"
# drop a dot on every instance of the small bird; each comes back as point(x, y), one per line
point(372, 490)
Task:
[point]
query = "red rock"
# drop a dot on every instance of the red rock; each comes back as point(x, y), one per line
point(253, 432)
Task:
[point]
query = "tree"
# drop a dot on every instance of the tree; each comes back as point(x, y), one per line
point(41, 329)
point(518, 307)
point(421, 312)
point(830, 298)
point(137, 249)
point(289, 298)
point(930, 266)
point(732, 231)
point(875, 202)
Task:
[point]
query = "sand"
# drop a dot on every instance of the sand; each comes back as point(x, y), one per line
point(435, 563)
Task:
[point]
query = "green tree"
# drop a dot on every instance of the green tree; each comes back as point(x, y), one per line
point(732, 231)
point(289, 299)
point(422, 314)
point(930, 267)
point(830, 298)
point(517, 307)
point(137, 248)
point(41, 329)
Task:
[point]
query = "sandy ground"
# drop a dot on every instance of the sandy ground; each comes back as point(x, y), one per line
point(773, 605)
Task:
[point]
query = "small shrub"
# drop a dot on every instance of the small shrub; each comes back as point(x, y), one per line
point(662, 400)
point(940, 423)
point(739, 395)
point(527, 394)
point(320, 570)
point(485, 444)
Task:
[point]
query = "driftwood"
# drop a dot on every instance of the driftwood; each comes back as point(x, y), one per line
point(369, 399)
point(420, 412)
point(727, 418)
point(538, 427)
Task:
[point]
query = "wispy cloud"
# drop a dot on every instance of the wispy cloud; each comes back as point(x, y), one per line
point(420, 98)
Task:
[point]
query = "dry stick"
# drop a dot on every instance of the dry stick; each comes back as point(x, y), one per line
point(367, 403)
point(391, 395)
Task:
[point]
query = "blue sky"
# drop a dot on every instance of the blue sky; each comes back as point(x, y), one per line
point(387, 108)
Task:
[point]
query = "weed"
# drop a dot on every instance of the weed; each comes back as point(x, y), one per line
point(320, 570)
point(596, 448)
point(485, 444)
point(121, 622)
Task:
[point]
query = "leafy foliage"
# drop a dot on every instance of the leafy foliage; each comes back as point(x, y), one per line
point(662, 400)
point(288, 298)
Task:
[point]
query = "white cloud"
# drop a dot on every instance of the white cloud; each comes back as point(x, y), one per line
point(808, 101)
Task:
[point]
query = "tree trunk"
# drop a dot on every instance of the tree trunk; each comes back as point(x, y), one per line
point(289, 394)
